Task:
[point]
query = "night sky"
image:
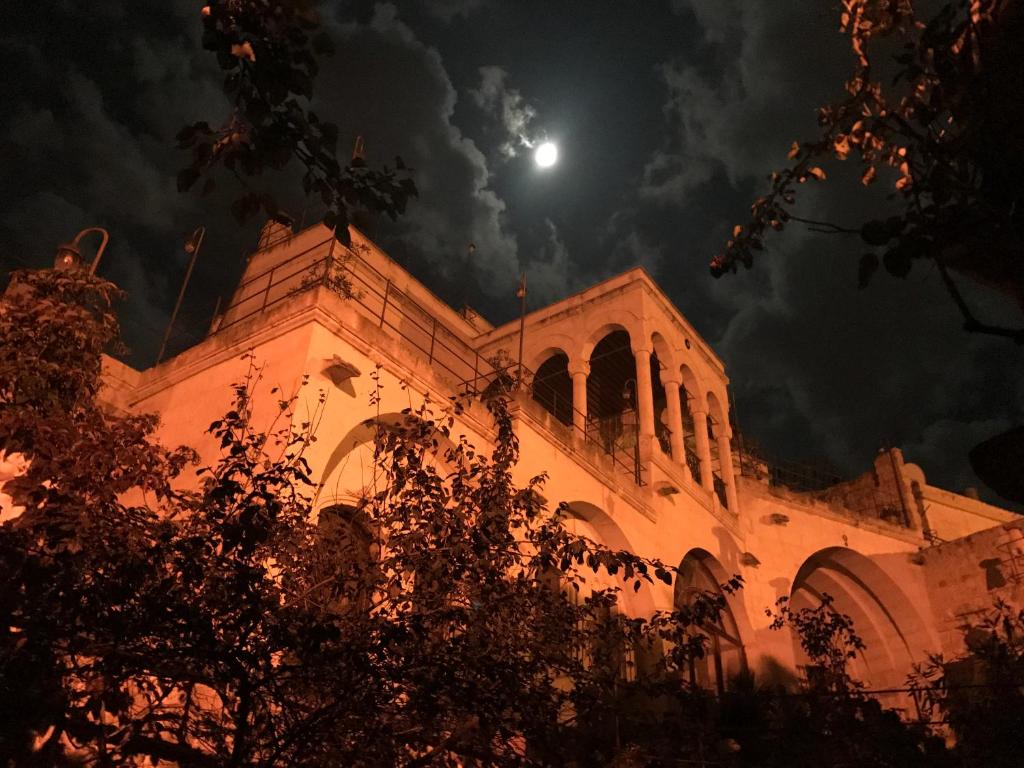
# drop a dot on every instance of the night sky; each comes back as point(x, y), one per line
point(668, 116)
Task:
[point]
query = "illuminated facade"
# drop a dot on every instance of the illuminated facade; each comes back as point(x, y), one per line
point(626, 409)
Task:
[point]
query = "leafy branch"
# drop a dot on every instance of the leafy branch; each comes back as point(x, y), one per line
point(268, 50)
point(946, 129)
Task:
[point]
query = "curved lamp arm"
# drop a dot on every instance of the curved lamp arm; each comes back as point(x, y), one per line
point(99, 251)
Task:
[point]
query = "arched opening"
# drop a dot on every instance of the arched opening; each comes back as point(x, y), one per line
point(353, 471)
point(552, 387)
point(883, 616)
point(612, 416)
point(724, 658)
point(344, 557)
point(607, 649)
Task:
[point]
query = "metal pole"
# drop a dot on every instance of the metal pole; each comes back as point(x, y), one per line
point(636, 448)
point(384, 307)
point(522, 323)
point(266, 291)
point(196, 245)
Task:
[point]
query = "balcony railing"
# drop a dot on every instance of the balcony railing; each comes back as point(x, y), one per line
point(346, 273)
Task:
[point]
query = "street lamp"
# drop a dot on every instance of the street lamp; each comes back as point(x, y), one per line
point(69, 255)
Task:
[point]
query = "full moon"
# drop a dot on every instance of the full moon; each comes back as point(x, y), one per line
point(546, 155)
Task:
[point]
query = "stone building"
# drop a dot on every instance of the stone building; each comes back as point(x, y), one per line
point(626, 408)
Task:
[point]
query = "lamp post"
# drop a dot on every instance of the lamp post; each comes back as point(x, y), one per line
point(69, 255)
point(191, 247)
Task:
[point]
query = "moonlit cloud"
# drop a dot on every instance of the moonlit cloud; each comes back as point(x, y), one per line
point(674, 113)
point(508, 106)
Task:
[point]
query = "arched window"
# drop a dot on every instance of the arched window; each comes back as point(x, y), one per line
point(604, 644)
point(346, 554)
point(724, 657)
point(611, 393)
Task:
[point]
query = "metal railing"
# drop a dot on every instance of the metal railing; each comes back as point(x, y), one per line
point(858, 496)
point(614, 434)
point(342, 270)
point(795, 476)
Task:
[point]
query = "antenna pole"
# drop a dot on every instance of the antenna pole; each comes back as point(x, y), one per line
point(194, 243)
point(522, 323)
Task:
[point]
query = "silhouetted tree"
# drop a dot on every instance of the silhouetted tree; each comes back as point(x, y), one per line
point(268, 50)
point(935, 102)
point(980, 694)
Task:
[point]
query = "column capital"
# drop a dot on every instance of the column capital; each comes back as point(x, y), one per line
point(639, 349)
point(668, 379)
point(578, 366)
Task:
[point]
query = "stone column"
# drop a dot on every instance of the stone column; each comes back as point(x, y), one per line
point(700, 431)
point(579, 373)
point(644, 395)
point(728, 476)
point(675, 422)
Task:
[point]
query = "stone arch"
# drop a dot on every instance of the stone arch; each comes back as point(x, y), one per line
point(345, 553)
point(611, 387)
point(692, 386)
point(717, 413)
point(662, 360)
point(666, 355)
point(891, 628)
point(605, 530)
point(598, 334)
point(726, 656)
point(537, 359)
point(357, 447)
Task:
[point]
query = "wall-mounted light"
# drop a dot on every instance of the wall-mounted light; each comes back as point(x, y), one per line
point(341, 373)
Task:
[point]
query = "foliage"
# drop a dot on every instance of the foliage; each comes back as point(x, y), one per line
point(946, 128)
point(827, 637)
point(980, 695)
point(70, 561)
point(268, 50)
point(830, 720)
point(450, 618)
point(447, 619)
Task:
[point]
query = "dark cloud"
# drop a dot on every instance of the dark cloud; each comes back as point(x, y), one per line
point(446, 10)
point(668, 116)
point(508, 107)
point(390, 87)
point(819, 369)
